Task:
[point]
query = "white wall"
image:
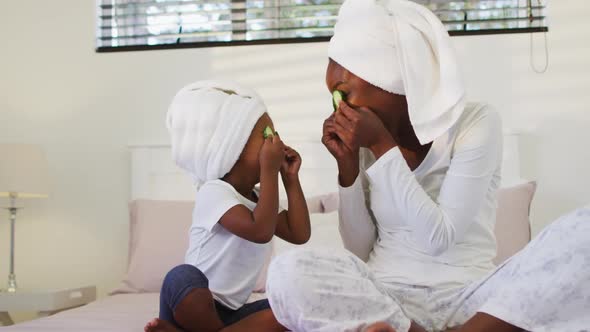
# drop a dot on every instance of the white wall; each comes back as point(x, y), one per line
point(84, 108)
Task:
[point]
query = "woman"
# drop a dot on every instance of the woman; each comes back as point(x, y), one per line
point(418, 171)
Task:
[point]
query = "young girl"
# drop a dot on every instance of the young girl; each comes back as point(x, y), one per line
point(222, 135)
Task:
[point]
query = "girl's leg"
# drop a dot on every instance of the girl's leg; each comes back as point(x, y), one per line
point(320, 291)
point(259, 321)
point(197, 312)
point(186, 302)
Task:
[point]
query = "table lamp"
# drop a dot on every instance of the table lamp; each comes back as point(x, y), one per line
point(23, 175)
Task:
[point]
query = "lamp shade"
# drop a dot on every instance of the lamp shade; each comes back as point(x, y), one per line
point(23, 171)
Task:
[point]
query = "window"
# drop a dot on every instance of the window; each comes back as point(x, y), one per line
point(156, 24)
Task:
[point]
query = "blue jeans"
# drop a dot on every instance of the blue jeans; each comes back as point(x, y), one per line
point(181, 280)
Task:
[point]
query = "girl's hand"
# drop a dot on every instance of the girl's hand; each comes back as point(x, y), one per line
point(272, 155)
point(291, 164)
point(360, 127)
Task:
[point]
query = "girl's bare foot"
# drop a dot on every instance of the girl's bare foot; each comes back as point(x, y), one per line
point(380, 327)
point(159, 325)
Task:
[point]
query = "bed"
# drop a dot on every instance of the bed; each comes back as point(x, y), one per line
point(160, 209)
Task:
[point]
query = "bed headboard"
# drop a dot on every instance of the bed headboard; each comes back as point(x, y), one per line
point(155, 176)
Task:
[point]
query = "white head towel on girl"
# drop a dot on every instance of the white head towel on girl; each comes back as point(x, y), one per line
point(209, 124)
point(403, 48)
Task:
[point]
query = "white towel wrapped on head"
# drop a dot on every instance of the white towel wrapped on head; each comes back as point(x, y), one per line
point(403, 48)
point(209, 124)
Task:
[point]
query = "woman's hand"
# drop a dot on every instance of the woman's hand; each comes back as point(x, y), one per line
point(335, 144)
point(362, 127)
point(291, 163)
point(346, 156)
point(272, 155)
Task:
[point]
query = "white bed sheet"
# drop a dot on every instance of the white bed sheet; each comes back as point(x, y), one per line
point(121, 313)
point(117, 313)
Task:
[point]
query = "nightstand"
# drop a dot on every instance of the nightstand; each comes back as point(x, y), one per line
point(44, 302)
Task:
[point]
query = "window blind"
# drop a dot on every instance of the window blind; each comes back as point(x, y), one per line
point(153, 24)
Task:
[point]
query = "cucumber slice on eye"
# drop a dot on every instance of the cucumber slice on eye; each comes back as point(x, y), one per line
point(337, 97)
point(268, 132)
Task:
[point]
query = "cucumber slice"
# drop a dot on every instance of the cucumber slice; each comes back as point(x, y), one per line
point(268, 132)
point(337, 97)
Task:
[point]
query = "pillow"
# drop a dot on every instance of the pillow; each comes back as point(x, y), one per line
point(513, 226)
point(324, 220)
point(158, 236)
point(158, 240)
point(512, 229)
point(324, 234)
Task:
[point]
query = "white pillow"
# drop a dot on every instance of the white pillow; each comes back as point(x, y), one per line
point(324, 234)
point(158, 236)
point(158, 240)
point(513, 226)
point(512, 223)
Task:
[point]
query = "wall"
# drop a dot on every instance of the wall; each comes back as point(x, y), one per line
point(85, 108)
